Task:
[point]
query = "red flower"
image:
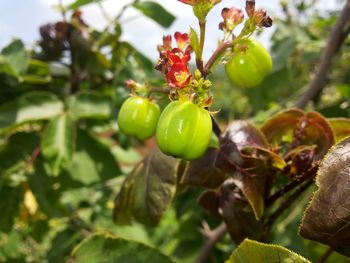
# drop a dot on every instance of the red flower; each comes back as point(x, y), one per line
point(178, 76)
point(177, 56)
point(182, 40)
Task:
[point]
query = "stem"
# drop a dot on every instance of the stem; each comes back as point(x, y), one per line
point(74, 73)
point(199, 59)
point(284, 206)
point(76, 222)
point(104, 12)
point(216, 127)
point(117, 18)
point(291, 186)
point(326, 255)
point(336, 39)
point(213, 236)
point(216, 55)
point(202, 27)
point(33, 157)
point(122, 11)
point(63, 10)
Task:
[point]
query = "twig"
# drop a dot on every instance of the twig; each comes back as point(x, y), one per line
point(104, 12)
point(112, 22)
point(124, 8)
point(33, 157)
point(325, 256)
point(216, 127)
point(282, 207)
point(217, 53)
point(335, 41)
point(74, 73)
point(76, 222)
point(63, 10)
point(199, 59)
point(291, 186)
point(212, 237)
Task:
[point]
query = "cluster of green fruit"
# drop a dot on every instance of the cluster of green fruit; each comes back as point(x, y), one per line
point(183, 129)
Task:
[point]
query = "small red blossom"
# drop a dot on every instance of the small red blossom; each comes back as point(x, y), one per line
point(177, 56)
point(169, 56)
point(182, 40)
point(178, 76)
point(232, 17)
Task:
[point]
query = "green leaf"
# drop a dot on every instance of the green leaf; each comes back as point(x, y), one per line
point(17, 56)
point(38, 73)
point(35, 80)
point(11, 198)
point(343, 89)
point(330, 205)
point(252, 252)
point(143, 62)
point(44, 188)
point(194, 42)
point(30, 107)
point(156, 12)
point(62, 244)
point(104, 248)
point(58, 142)
point(340, 127)
point(6, 68)
point(79, 3)
point(16, 151)
point(90, 106)
point(281, 52)
point(147, 191)
point(92, 161)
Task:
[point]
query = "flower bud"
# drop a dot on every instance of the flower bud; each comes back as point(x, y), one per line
point(197, 75)
point(232, 17)
point(206, 84)
point(131, 84)
point(261, 18)
point(250, 7)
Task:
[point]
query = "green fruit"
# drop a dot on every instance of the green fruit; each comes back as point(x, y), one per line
point(138, 117)
point(249, 64)
point(184, 130)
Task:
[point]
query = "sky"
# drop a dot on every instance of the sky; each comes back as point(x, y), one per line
point(142, 32)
